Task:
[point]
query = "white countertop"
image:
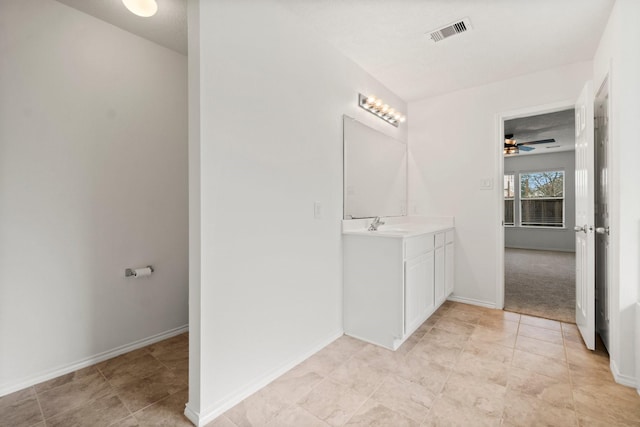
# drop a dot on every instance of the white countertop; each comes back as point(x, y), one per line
point(398, 227)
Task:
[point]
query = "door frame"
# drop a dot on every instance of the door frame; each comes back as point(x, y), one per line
point(498, 178)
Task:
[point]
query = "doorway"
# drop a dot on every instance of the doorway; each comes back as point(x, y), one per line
point(539, 211)
point(601, 110)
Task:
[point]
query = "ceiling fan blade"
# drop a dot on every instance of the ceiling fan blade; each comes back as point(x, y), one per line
point(526, 148)
point(540, 141)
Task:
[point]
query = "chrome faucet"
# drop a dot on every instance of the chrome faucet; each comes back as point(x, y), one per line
point(375, 224)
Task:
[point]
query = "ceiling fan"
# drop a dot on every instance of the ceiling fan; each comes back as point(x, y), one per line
point(512, 146)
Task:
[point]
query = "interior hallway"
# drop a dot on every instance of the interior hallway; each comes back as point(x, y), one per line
point(540, 283)
point(466, 365)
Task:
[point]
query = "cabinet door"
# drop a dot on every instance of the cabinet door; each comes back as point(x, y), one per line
point(418, 290)
point(439, 275)
point(448, 269)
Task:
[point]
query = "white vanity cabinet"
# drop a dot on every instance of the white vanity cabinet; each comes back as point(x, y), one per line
point(443, 265)
point(394, 282)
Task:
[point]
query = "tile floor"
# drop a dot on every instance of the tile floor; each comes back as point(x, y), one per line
point(465, 366)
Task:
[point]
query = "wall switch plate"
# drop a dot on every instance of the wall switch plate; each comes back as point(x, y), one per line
point(317, 210)
point(486, 183)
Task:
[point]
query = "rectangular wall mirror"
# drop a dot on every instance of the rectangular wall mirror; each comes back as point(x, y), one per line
point(375, 172)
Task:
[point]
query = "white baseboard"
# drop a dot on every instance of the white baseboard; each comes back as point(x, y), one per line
point(622, 379)
point(215, 410)
point(88, 361)
point(471, 301)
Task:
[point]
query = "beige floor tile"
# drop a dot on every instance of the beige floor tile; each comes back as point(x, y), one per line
point(551, 390)
point(410, 399)
point(541, 323)
point(373, 414)
point(378, 357)
point(444, 338)
point(492, 336)
point(588, 421)
point(499, 324)
point(543, 348)
point(171, 345)
point(17, 396)
point(541, 365)
point(594, 375)
point(522, 410)
point(448, 412)
point(295, 384)
point(20, 409)
point(168, 412)
point(609, 402)
point(74, 394)
point(409, 344)
point(472, 317)
point(475, 392)
point(129, 367)
point(97, 413)
point(127, 422)
point(542, 334)
point(221, 421)
point(346, 346)
point(359, 376)
point(295, 416)
point(332, 402)
point(257, 409)
point(501, 314)
point(65, 379)
point(435, 353)
point(455, 326)
point(324, 362)
point(490, 371)
point(578, 354)
point(422, 371)
point(489, 351)
point(142, 393)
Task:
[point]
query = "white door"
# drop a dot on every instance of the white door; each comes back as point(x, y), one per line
point(584, 228)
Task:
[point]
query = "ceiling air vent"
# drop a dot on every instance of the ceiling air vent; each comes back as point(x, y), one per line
point(450, 30)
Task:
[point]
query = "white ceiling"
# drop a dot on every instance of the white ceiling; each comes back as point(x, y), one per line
point(387, 37)
point(168, 27)
point(509, 38)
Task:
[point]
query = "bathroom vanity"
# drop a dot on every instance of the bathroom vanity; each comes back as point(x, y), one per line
point(395, 277)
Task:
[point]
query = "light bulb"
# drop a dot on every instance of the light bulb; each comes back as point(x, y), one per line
point(402, 119)
point(144, 8)
point(385, 108)
point(378, 103)
point(371, 100)
point(397, 116)
point(391, 112)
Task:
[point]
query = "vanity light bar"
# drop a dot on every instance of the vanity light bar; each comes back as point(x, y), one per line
point(379, 108)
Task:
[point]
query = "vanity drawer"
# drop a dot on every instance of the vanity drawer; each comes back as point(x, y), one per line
point(418, 245)
point(439, 240)
point(449, 236)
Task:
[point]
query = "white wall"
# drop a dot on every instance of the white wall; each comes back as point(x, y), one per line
point(271, 101)
point(93, 179)
point(555, 239)
point(618, 51)
point(454, 143)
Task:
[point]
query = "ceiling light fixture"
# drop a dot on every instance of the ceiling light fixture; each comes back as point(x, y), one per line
point(144, 8)
point(379, 108)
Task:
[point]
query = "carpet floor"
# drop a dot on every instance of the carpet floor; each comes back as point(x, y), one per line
point(540, 283)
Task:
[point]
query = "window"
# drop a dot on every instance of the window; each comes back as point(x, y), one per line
point(509, 199)
point(542, 199)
